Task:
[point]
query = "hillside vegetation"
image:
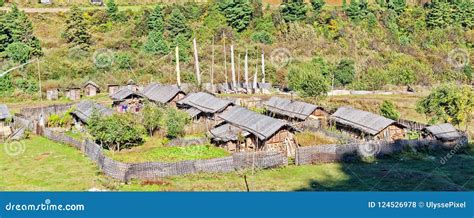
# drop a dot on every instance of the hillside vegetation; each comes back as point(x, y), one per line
point(308, 46)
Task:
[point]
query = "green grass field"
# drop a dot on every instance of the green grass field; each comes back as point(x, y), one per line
point(49, 166)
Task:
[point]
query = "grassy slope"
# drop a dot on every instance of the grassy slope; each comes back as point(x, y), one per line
point(47, 166)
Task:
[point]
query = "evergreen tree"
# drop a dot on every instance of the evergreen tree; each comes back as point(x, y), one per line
point(317, 5)
point(20, 29)
point(237, 12)
point(5, 36)
point(76, 33)
point(357, 10)
point(294, 10)
point(177, 25)
point(396, 5)
point(156, 44)
point(388, 110)
point(156, 19)
point(112, 9)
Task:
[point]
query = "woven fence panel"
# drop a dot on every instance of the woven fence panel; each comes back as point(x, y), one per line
point(217, 165)
point(259, 160)
point(113, 168)
point(19, 122)
point(316, 154)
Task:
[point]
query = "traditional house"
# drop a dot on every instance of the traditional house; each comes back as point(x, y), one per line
point(73, 93)
point(112, 88)
point(5, 129)
point(52, 94)
point(245, 130)
point(444, 132)
point(203, 105)
point(126, 100)
point(366, 125)
point(294, 110)
point(163, 94)
point(132, 85)
point(91, 88)
point(84, 110)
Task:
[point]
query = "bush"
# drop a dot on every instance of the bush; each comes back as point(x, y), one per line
point(2, 2)
point(388, 110)
point(309, 79)
point(176, 120)
point(344, 72)
point(18, 52)
point(124, 60)
point(115, 132)
point(262, 37)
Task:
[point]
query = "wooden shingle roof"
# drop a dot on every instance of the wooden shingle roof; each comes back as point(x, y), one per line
point(289, 108)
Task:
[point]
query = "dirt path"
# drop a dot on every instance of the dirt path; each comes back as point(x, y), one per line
point(38, 10)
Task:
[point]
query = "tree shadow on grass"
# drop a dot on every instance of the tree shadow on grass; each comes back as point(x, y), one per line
point(407, 171)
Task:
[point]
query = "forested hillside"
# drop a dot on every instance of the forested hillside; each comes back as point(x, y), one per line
point(308, 46)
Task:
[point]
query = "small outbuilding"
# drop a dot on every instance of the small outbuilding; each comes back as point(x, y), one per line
point(294, 110)
point(84, 110)
point(245, 130)
point(91, 88)
point(366, 125)
point(52, 94)
point(203, 105)
point(444, 132)
point(126, 100)
point(73, 93)
point(163, 94)
point(111, 88)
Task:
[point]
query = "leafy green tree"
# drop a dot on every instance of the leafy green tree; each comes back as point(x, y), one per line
point(309, 79)
point(76, 33)
point(5, 35)
point(177, 24)
point(152, 117)
point(21, 30)
point(344, 73)
point(175, 121)
point(317, 5)
point(388, 110)
point(156, 21)
point(2, 2)
point(18, 52)
point(293, 10)
point(448, 103)
point(112, 9)
point(115, 132)
point(237, 12)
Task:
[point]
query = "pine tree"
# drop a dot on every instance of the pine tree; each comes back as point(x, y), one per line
point(357, 10)
point(156, 19)
point(156, 44)
point(177, 25)
point(317, 5)
point(112, 9)
point(20, 29)
point(5, 37)
point(237, 12)
point(294, 10)
point(439, 15)
point(76, 33)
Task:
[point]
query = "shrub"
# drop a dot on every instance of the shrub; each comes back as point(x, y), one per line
point(6, 85)
point(388, 110)
point(309, 79)
point(18, 52)
point(2, 2)
point(124, 60)
point(115, 132)
point(344, 72)
point(262, 37)
point(176, 120)
point(448, 103)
